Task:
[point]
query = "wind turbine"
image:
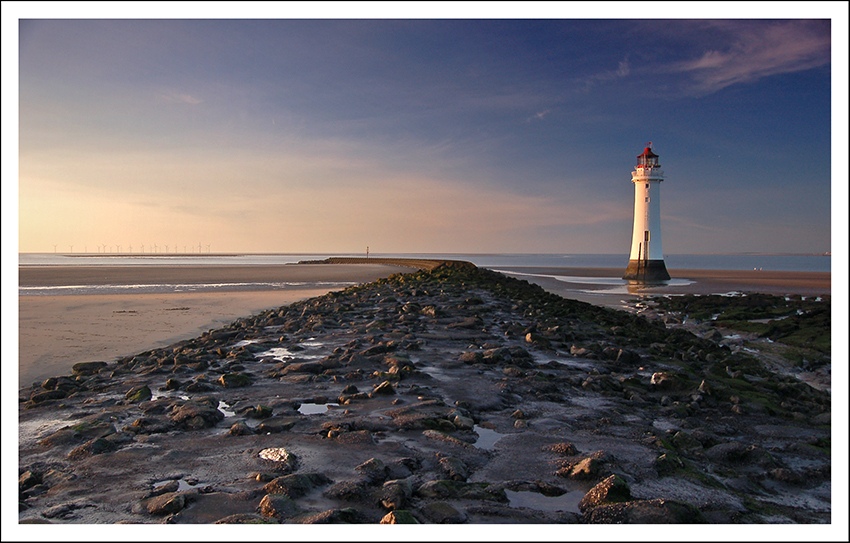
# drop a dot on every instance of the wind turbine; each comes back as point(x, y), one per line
point(143, 248)
point(54, 248)
point(130, 249)
point(208, 247)
point(72, 248)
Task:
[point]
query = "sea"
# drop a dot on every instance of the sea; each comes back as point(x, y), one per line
point(496, 261)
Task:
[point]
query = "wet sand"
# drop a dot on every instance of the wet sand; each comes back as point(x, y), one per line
point(55, 332)
point(603, 286)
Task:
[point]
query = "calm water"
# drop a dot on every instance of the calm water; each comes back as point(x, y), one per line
point(820, 263)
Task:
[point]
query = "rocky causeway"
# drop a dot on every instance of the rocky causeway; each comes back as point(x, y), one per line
point(451, 394)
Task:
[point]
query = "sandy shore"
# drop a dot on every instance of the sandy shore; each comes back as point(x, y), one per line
point(55, 332)
point(603, 286)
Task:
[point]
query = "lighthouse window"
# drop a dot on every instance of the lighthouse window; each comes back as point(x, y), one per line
point(647, 186)
point(646, 199)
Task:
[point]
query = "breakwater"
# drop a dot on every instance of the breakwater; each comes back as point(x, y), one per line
point(415, 263)
point(455, 395)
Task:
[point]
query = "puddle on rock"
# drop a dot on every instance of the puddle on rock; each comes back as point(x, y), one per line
point(278, 353)
point(486, 438)
point(224, 408)
point(315, 408)
point(534, 500)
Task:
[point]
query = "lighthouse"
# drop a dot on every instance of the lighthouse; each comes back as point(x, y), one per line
point(646, 260)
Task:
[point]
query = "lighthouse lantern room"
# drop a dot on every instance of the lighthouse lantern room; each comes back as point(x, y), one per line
point(646, 259)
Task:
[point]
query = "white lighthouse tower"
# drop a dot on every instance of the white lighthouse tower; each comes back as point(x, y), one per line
point(646, 260)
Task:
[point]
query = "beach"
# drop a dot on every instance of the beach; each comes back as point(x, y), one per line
point(57, 331)
point(456, 395)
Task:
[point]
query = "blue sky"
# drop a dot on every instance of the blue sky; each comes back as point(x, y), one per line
point(431, 134)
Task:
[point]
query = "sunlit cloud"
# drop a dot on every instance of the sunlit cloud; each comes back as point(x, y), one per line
point(759, 51)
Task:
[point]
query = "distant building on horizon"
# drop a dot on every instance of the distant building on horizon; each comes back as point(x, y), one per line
point(646, 259)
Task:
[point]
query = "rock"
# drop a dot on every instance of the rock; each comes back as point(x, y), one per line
point(731, 451)
point(196, 415)
point(462, 422)
point(385, 388)
point(373, 469)
point(668, 463)
point(258, 412)
point(658, 511)
point(234, 380)
point(628, 358)
point(471, 357)
point(538, 340)
point(166, 504)
point(584, 469)
point(41, 397)
point(665, 381)
point(87, 368)
point(563, 449)
point(450, 489)
point(396, 494)
point(347, 515)
point(279, 506)
point(276, 425)
point(399, 517)
point(454, 468)
point(167, 488)
point(172, 384)
point(351, 490)
point(241, 429)
point(685, 441)
point(245, 518)
point(138, 394)
point(442, 513)
point(280, 459)
point(610, 490)
point(92, 447)
point(296, 485)
point(27, 480)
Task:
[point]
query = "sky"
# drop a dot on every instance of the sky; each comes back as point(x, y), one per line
point(289, 132)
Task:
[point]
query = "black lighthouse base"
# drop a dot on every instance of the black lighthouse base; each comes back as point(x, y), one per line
point(646, 271)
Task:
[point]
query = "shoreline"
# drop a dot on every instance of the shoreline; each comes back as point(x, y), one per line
point(57, 331)
point(612, 291)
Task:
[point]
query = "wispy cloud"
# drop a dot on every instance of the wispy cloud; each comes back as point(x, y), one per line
point(180, 98)
point(623, 70)
point(539, 116)
point(759, 51)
